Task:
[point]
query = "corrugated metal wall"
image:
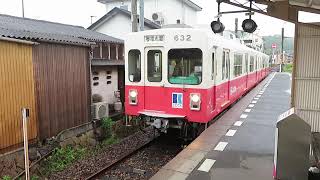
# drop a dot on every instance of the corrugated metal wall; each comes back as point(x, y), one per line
point(62, 87)
point(16, 91)
point(306, 85)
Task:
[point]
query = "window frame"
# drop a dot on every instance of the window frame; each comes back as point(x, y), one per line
point(160, 64)
point(140, 59)
point(237, 67)
point(168, 60)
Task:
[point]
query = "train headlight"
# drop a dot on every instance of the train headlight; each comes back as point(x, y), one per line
point(133, 97)
point(195, 101)
point(195, 98)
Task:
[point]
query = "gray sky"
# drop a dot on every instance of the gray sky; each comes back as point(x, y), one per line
point(78, 12)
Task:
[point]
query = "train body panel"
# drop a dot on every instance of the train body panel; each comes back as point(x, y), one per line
point(187, 74)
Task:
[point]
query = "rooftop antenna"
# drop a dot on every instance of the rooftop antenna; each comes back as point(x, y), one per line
point(91, 17)
point(22, 8)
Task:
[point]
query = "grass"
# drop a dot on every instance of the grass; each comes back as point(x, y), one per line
point(288, 68)
point(111, 140)
point(62, 158)
point(6, 178)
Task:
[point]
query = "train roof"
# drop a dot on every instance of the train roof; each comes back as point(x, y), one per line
point(212, 39)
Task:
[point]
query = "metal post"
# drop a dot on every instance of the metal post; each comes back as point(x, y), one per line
point(134, 16)
point(141, 15)
point(25, 115)
point(22, 8)
point(91, 18)
point(282, 43)
point(236, 27)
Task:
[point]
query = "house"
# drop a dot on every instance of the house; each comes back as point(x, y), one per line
point(162, 11)
point(117, 21)
point(45, 67)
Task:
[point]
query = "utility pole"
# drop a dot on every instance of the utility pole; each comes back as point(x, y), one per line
point(22, 8)
point(282, 42)
point(282, 39)
point(236, 28)
point(134, 15)
point(141, 20)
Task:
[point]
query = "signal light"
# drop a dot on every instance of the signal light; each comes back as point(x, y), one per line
point(248, 25)
point(217, 26)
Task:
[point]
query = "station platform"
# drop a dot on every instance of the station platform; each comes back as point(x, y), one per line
point(240, 144)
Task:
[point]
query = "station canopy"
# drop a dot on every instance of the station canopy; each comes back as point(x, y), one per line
point(287, 10)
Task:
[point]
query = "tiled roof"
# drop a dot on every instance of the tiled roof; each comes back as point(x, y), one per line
point(25, 28)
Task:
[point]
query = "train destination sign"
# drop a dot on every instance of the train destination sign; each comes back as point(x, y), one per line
point(153, 38)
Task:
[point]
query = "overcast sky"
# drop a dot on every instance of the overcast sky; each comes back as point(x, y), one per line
point(78, 12)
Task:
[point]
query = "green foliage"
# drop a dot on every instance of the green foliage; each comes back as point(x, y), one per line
point(35, 177)
point(288, 68)
point(62, 158)
point(107, 125)
point(109, 141)
point(276, 39)
point(6, 178)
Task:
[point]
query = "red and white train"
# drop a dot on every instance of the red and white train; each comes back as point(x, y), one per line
point(184, 77)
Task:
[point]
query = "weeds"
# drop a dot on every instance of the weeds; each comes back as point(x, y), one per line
point(35, 178)
point(288, 68)
point(109, 141)
point(6, 178)
point(107, 125)
point(62, 158)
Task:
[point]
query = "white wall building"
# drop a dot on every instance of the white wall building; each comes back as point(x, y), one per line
point(117, 23)
point(168, 11)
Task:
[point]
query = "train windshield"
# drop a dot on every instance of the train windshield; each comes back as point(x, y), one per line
point(185, 66)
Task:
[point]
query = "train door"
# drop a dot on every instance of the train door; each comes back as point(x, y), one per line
point(246, 70)
point(256, 68)
point(228, 72)
point(213, 77)
point(226, 76)
point(153, 79)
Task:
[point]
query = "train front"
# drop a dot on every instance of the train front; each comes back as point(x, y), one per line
point(165, 78)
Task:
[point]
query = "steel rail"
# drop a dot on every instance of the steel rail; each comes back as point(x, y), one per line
point(115, 162)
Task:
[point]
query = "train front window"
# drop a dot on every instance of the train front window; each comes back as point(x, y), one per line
point(154, 66)
point(134, 65)
point(185, 66)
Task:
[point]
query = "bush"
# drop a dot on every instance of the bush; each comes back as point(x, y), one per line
point(107, 126)
point(6, 178)
point(96, 98)
point(288, 68)
point(62, 158)
point(110, 141)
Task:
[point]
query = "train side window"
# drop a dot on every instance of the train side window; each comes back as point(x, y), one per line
point(237, 65)
point(212, 72)
point(223, 65)
point(154, 66)
point(134, 65)
point(251, 64)
point(228, 65)
point(247, 57)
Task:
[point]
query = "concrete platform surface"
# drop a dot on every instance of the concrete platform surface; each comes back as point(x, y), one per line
point(240, 145)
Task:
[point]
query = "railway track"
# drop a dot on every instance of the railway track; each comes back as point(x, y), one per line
point(143, 162)
point(116, 161)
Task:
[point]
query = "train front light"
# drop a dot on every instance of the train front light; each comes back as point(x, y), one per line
point(195, 101)
point(133, 97)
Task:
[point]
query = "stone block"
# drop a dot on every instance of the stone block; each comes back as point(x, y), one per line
point(67, 142)
point(92, 142)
